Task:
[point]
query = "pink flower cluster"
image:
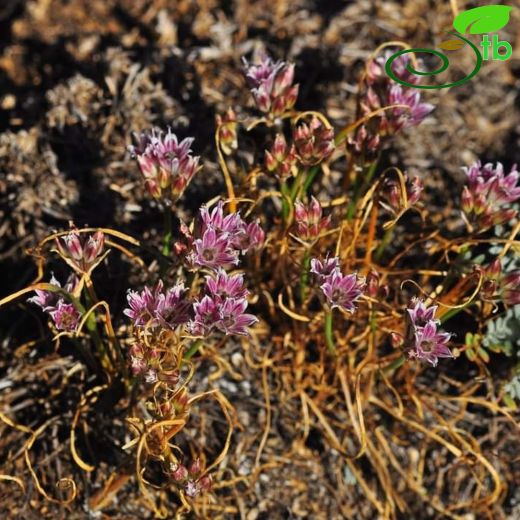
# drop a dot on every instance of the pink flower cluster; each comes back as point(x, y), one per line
point(382, 92)
point(222, 307)
point(314, 142)
point(487, 192)
point(423, 338)
point(64, 315)
point(191, 478)
point(166, 164)
point(340, 290)
point(223, 239)
point(158, 308)
point(271, 84)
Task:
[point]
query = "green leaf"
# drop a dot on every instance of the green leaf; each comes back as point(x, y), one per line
point(480, 20)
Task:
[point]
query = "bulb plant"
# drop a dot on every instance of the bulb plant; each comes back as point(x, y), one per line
point(362, 272)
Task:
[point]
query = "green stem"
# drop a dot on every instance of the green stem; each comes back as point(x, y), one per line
point(166, 249)
point(387, 238)
point(311, 174)
point(329, 333)
point(395, 364)
point(359, 188)
point(304, 278)
point(286, 208)
point(94, 333)
point(192, 350)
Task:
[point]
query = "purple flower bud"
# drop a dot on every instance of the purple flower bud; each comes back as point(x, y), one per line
point(166, 164)
point(313, 142)
point(81, 249)
point(179, 473)
point(280, 159)
point(309, 221)
point(488, 193)
point(271, 84)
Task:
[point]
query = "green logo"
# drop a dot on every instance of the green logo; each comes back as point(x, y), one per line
point(480, 20)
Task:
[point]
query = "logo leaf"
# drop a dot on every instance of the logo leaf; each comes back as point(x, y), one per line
point(480, 20)
point(451, 45)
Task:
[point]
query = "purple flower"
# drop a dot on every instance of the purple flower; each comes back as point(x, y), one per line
point(381, 91)
point(376, 68)
point(65, 316)
point(81, 250)
point(309, 219)
point(430, 344)
point(422, 339)
point(154, 307)
point(420, 314)
point(232, 318)
point(488, 193)
point(206, 315)
point(250, 236)
point(343, 291)
point(214, 251)
point(414, 111)
point(271, 84)
point(224, 286)
point(324, 269)
point(191, 489)
point(215, 219)
point(166, 164)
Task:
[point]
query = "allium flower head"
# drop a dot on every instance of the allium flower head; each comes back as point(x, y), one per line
point(324, 269)
point(224, 286)
point(271, 84)
point(281, 159)
point(64, 315)
point(499, 286)
point(314, 142)
point(166, 164)
point(422, 339)
point(82, 251)
point(343, 291)
point(376, 68)
point(392, 193)
point(382, 91)
point(488, 194)
point(224, 238)
point(154, 307)
point(309, 219)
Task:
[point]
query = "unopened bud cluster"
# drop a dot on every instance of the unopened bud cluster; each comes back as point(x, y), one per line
point(271, 84)
point(487, 196)
point(166, 164)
